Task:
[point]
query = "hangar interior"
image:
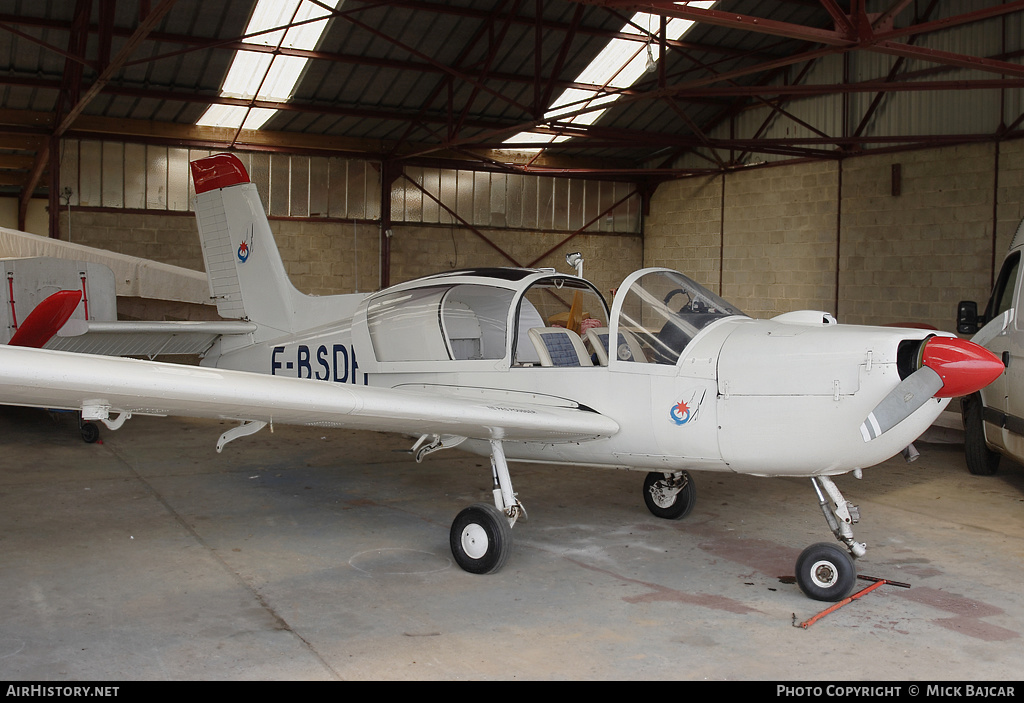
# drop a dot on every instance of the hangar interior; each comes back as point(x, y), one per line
point(785, 155)
point(863, 158)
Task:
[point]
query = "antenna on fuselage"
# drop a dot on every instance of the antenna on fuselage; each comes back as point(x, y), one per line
point(575, 259)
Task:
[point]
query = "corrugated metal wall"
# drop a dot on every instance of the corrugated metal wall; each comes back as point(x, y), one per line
point(514, 201)
point(961, 112)
point(146, 177)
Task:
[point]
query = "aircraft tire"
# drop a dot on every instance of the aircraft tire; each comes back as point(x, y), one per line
point(669, 508)
point(825, 572)
point(981, 461)
point(90, 432)
point(480, 539)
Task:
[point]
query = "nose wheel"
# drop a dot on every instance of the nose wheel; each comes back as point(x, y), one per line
point(825, 572)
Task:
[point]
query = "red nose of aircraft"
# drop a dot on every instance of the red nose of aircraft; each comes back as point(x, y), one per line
point(965, 367)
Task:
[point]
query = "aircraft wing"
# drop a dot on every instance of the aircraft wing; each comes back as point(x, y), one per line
point(104, 387)
point(122, 338)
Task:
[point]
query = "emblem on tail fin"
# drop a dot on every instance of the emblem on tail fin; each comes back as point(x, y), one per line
point(245, 248)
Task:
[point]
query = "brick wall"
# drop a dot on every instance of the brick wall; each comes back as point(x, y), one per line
point(912, 256)
point(905, 257)
point(171, 239)
point(683, 230)
point(322, 258)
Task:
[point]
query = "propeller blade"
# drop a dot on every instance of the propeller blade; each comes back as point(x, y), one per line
point(911, 393)
point(947, 367)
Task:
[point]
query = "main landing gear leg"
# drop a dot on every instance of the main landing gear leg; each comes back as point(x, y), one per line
point(824, 571)
point(481, 535)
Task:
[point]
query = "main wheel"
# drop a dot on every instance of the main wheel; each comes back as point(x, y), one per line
point(90, 432)
point(481, 539)
point(825, 572)
point(670, 496)
point(981, 461)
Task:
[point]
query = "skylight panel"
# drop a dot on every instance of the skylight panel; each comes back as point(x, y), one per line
point(619, 65)
point(261, 76)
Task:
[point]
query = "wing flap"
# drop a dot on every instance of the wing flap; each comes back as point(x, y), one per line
point(53, 379)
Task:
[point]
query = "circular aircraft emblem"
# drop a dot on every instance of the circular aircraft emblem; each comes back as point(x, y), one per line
point(245, 247)
point(680, 413)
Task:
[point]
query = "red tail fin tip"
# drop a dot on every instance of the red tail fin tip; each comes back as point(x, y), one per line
point(218, 171)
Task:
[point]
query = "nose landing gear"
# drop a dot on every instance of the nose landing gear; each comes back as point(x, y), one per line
point(825, 571)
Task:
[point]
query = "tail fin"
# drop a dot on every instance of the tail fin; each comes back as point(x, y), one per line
point(244, 268)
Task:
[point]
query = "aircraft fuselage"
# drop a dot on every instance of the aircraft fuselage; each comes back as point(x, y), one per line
point(767, 397)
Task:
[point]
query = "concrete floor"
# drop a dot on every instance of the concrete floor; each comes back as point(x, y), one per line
point(318, 554)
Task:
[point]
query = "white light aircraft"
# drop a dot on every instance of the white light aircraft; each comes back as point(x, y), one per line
point(531, 366)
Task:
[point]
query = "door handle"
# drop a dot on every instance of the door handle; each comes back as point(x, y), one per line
point(1006, 358)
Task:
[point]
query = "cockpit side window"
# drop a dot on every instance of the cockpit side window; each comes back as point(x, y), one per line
point(560, 311)
point(474, 319)
point(440, 323)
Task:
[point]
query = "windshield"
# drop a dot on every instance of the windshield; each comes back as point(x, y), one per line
point(661, 312)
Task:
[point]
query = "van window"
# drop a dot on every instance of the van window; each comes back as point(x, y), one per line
point(1002, 295)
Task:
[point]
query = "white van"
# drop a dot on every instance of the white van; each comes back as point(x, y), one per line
point(994, 416)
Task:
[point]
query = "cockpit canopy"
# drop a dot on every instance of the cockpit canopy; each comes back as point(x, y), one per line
point(476, 317)
point(537, 318)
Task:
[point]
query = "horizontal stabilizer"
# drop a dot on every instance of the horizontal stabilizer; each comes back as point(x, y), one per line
point(130, 338)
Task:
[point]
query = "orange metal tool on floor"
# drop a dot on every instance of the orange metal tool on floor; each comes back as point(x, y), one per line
point(863, 592)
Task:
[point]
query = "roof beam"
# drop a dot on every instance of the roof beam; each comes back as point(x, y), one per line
point(733, 20)
point(850, 35)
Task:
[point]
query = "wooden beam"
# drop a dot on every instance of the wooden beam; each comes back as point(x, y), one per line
point(21, 142)
point(15, 178)
point(16, 162)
